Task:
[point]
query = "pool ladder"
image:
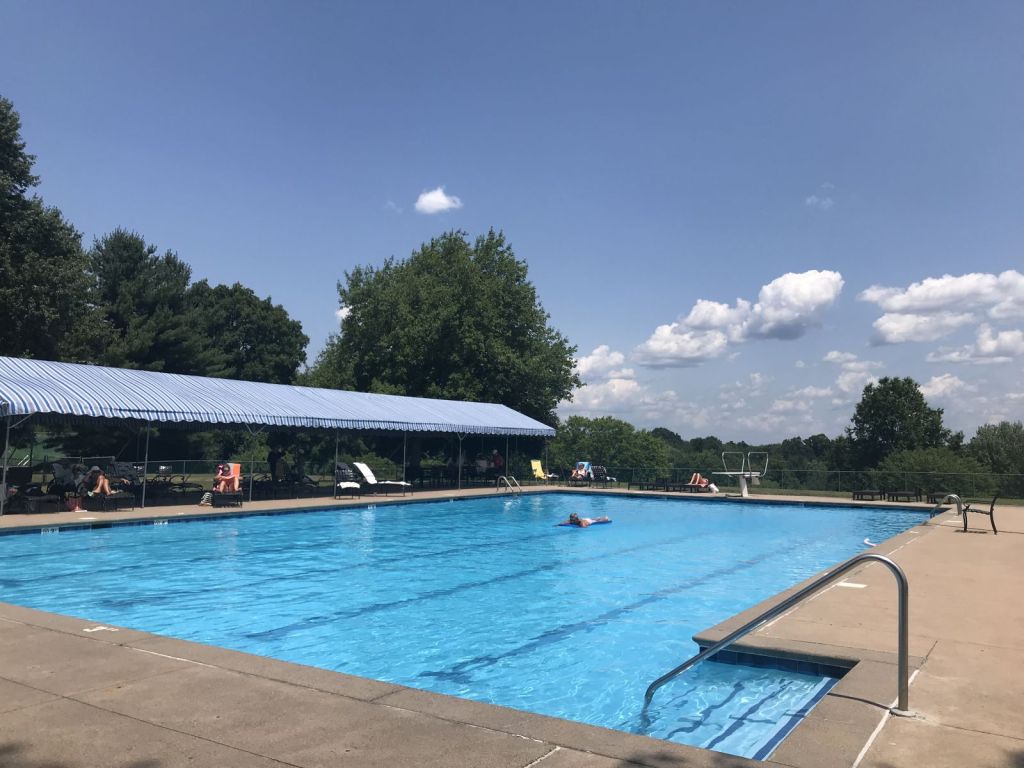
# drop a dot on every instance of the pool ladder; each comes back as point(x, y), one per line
point(902, 662)
point(509, 482)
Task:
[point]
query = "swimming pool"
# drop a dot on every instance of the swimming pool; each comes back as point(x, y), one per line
point(480, 598)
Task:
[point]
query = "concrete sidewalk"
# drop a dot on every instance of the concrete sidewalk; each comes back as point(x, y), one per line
point(73, 693)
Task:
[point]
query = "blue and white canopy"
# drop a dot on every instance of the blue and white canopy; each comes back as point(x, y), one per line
point(66, 389)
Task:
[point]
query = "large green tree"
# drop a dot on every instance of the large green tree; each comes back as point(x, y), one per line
point(1000, 448)
point(246, 337)
point(143, 295)
point(45, 292)
point(455, 320)
point(609, 441)
point(893, 415)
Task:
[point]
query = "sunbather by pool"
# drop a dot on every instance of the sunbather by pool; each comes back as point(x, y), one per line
point(98, 481)
point(698, 479)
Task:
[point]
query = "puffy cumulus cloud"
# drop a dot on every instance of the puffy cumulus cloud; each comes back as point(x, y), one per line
point(945, 385)
point(789, 406)
point(854, 374)
point(603, 362)
point(989, 347)
point(614, 394)
point(342, 312)
point(1001, 296)
point(898, 327)
point(785, 309)
point(791, 304)
point(436, 201)
point(819, 203)
point(672, 345)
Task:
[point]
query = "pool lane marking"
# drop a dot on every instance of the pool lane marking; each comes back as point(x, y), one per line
point(460, 671)
point(554, 565)
point(881, 724)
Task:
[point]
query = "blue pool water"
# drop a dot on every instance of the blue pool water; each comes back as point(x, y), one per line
point(483, 599)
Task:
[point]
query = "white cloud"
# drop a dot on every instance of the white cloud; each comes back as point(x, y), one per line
point(800, 364)
point(602, 362)
point(854, 374)
point(436, 201)
point(989, 347)
point(898, 327)
point(1002, 296)
point(944, 386)
point(785, 309)
point(670, 345)
point(390, 205)
point(789, 406)
point(835, 356)
point(822, 203)
point(814, 392)
point(342, 312)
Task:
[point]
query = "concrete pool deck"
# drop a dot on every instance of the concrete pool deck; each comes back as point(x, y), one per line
point(74, 693)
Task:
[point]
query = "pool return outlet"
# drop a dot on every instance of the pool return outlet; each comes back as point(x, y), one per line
point(902, 663)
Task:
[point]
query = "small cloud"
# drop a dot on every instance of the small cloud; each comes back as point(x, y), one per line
point(854, 374)
point(988, 348)
point(814, 392)
point(800, 364)
point(390, 205)
point(945, 385)
point(819, 203)
point(898, 327)
point(342, 312)
point(437, 201)
point(603, 362)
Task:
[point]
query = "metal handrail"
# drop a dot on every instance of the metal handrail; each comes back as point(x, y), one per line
point(509, 481)
point(903, 652)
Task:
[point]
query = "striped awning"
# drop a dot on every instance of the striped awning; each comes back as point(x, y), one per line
point(66, 389)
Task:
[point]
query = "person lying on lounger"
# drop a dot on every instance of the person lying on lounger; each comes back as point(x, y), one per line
point(583, 522)
point(698, 479)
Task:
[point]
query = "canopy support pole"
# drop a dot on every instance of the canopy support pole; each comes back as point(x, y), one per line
point(335, 472)
point(460, 460)
point(7, 449)
point(506, 469)
point(3, 483)
point(252, 460)
point(405, 439)
point(145, 467)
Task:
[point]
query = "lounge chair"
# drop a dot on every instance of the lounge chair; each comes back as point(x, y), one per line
point(703, 485)
point(345, 481)
point(232, 498)
point(25, 496)
point(991, 514)
point(539, 473)
point(600, 475)
point(582, 474)
point(383, 486)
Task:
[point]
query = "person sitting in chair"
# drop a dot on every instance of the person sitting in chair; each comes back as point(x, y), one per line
point(580, 472)
point(226, 481)
point(98, 480)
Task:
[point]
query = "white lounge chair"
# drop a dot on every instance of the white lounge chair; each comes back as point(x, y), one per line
point(384, 486)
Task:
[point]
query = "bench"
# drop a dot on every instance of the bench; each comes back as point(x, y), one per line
point(904, 495)
point(869, 495)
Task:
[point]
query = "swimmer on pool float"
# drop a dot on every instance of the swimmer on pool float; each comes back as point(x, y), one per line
point(583, 522)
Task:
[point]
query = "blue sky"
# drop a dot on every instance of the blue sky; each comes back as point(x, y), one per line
point(739, 212)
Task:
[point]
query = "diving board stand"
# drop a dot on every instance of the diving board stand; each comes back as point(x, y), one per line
point(746, 471)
